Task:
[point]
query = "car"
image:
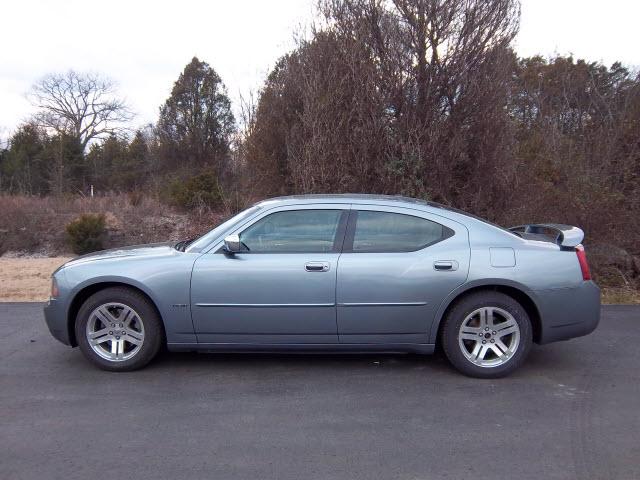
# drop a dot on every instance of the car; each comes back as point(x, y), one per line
point(333, 273)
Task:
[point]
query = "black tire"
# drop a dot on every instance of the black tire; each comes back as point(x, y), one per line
point(153, 331)
point(459, 312)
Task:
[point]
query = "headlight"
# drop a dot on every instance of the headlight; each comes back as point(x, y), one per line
point(54, 288)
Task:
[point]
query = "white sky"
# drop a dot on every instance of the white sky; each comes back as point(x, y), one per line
point(144, 44)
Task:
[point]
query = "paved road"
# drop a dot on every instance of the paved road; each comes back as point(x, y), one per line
point(572, 412)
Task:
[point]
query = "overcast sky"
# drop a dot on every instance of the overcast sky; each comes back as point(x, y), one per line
point(144, 45)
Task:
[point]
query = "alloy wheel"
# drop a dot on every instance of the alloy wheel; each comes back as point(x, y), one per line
point(115, 332)
point(489, 337)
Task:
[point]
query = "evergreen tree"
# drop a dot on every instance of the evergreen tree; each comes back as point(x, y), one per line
point(196, 122)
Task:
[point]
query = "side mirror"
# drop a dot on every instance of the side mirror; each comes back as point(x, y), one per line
point(232, 244)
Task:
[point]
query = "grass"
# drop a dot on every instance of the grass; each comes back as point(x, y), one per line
point(27, 279)
point(620, 295)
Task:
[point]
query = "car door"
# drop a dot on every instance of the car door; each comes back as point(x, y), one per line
point(396, 267)
point(281, 289)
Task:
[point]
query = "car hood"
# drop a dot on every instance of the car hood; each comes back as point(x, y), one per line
point(152, 249)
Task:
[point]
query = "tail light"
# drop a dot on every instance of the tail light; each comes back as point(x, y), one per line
point(582, 259)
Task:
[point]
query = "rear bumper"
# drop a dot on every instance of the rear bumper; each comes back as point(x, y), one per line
point(56, 319)
point(568, 312)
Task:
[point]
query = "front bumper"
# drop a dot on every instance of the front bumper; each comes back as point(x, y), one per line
point(55, 316)
point(568, 312)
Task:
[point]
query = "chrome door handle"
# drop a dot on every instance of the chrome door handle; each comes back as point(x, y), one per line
point(316, 266)
point(445, 265)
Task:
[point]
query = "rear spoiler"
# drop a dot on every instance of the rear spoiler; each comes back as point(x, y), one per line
point(565, 235)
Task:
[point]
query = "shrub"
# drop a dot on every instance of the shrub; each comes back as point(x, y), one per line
point(86, 234)
point(198, 191)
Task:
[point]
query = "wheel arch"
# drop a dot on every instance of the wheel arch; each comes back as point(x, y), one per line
point(517, 291)
point(85, 291)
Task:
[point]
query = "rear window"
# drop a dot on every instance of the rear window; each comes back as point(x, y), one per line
point(395, 232)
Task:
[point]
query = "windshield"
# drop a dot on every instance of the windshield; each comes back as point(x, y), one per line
point(200, 243)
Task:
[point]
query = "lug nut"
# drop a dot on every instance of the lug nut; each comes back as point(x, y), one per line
point(117, 337)
point(486, 328)
point(484, 341)
point(480, 334)
point(493, 341)
point(110, 333)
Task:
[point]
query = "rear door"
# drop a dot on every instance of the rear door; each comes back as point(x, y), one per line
point(396, 267)
point(281, 289)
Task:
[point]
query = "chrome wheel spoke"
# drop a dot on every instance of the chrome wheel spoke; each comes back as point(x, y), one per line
point(482, 352)
point(483, 318)
point(500, 345)
point(501, 332)
point(105, 316)
point(134, 337)
point(98, 334)
point(497, 351)
point(127, 316)
point(470, 336)
point(114, 347)
point(100, 340)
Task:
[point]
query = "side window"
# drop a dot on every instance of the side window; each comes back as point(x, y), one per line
point(395, 232)
point(293, 231)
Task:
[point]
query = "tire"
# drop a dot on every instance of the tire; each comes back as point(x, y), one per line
point(125, 329)
point(493, 322)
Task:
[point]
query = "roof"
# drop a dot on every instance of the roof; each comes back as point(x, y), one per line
point(351, 198)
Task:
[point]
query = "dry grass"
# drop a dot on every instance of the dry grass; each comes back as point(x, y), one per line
point(27, 279)
point(625, 296)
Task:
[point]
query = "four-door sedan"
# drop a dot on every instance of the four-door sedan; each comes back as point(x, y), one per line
point(333, 273)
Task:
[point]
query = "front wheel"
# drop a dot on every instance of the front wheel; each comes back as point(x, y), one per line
point(118, 329)
point(487, 335)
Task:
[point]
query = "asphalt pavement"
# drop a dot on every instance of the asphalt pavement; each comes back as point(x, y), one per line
point(572, 412)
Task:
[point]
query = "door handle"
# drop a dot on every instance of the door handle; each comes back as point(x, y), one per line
point(445, 265)
point(316, 266)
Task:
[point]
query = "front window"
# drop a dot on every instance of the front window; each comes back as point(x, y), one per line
point(293, 231)
point(209, 237)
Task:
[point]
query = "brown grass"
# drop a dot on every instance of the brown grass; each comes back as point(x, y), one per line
point(27, 279)
point(624, 296)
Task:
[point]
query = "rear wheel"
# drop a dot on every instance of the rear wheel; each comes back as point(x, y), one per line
point(487, 335)
point(118, 329)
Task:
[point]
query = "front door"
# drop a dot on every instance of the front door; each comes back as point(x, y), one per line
point(396, 267)
point(281, 289)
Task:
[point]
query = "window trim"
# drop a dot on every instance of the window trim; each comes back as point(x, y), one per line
point(351, 232)
point(338, 239)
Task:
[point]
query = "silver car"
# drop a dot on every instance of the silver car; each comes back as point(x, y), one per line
point(333, 273)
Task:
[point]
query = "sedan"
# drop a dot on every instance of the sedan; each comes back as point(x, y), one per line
point(333, 273)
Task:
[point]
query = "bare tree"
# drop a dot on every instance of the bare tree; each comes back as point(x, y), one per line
point(83, 106)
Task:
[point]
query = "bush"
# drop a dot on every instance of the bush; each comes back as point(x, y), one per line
point(198, 191)
point(86, 234)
